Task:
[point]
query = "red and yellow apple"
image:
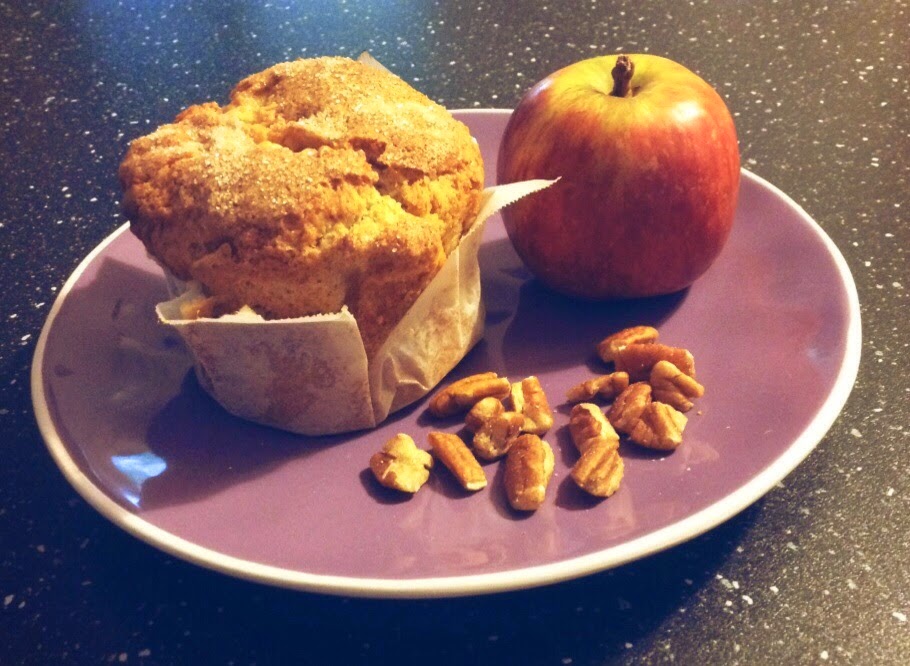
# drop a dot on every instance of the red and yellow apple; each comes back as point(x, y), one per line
point(648, 166)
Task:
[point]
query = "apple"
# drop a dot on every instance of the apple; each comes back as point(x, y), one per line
point(648, 166)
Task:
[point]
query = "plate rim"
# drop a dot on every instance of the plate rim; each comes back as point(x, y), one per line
point(463, 585)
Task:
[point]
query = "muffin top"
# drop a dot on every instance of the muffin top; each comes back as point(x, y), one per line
point(323, 183)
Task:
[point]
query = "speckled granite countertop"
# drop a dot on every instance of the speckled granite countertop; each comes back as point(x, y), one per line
point(815, 572)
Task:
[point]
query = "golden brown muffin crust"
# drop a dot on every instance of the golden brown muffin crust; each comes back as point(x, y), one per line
point(323, 183)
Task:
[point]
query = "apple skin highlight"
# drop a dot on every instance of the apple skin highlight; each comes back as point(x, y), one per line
point(648, 182)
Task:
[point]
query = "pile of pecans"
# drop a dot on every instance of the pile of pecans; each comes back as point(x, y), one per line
point(507, 420)
point(651, 386)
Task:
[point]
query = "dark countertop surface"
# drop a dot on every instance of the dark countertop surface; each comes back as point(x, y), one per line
point(815, 572)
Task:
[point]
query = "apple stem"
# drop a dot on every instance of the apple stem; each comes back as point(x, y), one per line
point(622, 76)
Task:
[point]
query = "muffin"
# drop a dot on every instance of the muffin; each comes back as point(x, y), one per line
point(324, 184)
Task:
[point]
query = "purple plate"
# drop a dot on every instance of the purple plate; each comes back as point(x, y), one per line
point(774, 327)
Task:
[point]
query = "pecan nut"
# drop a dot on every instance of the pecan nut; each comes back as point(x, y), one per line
point(465, 393)
point(673, 387)
point(605, 386)
point(482, 412)
point(660, 427)
point(529, 467)
point(600, 468)
point(496, 435)
point(401, 465)
point(629, 406)
point(528, 398)
point(638, 360)
point(612, 344)
point(588, 423)
point(458, 459)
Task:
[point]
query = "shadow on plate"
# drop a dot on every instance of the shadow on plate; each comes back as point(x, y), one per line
point(538, 330)
point(206, 449)
point(550, 331)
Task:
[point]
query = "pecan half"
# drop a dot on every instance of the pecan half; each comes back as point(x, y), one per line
point(587, 423)
point(638, 360)
point(465, 393)
point(600, 469)
point(529, 467)
point(482, 412)
point(528, 398)
point(605, 386)
point(496, 435)
point(673, 387)
point(401, 465)
point(609, 346)
point(629, 406)
point(459, 460)
point(660, 427)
